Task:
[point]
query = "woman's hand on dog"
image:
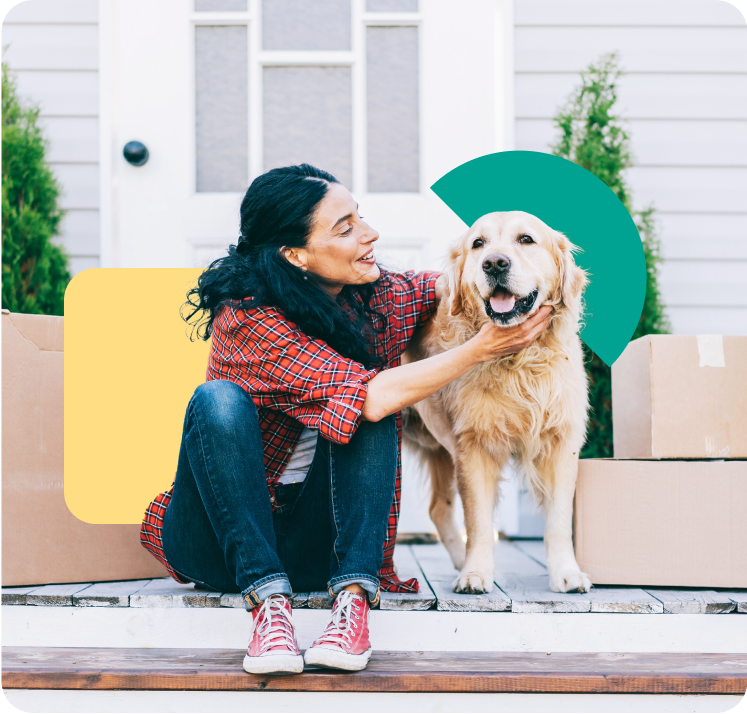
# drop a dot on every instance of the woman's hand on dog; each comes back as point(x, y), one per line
point(493, 341)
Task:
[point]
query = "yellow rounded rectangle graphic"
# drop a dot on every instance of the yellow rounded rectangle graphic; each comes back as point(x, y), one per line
point(130, 371)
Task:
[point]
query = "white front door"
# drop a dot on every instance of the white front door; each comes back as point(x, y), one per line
point(388, 95)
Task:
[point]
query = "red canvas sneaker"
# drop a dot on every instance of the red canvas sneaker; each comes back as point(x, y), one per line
point(272, 640)
point(344, 644)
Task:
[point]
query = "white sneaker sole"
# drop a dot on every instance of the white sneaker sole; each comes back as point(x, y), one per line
point(322, 657)
point(268, 664)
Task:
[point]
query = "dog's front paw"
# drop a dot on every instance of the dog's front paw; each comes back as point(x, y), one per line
point(569, 580)
point(473, 582)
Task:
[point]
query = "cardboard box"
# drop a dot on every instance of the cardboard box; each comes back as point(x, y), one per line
point(673, 523)
point(677, 397)
point(42, 541)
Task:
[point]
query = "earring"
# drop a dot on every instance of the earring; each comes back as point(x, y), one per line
point(305, 277)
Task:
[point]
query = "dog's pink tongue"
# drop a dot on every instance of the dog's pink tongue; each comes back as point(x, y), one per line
point(502, 302)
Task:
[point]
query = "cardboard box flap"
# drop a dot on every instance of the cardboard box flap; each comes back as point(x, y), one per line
point(46, 332)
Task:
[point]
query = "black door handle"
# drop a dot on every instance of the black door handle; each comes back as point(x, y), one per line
point(135, 153)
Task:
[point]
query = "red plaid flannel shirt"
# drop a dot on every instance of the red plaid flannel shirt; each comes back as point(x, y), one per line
point(297, 381)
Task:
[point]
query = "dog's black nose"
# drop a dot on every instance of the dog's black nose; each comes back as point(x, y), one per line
point(496, 264)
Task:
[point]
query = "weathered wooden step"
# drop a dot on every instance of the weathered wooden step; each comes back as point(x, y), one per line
point(201, 669)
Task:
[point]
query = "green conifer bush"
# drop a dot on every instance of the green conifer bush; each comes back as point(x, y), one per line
point(35, 270)
point(595, 137)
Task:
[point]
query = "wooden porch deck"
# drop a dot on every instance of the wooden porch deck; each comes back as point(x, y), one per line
point(200, 670)
point(521, 586)
point(66, 646)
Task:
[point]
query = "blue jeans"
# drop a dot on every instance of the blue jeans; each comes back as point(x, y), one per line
point(220, 532)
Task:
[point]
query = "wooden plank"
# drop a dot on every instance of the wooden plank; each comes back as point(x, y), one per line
point(694, 320)
point(684, 234)
point(72, 139)
point(645, 49)
point(434, 561)
point(450, 601)
point(319, 600)
point(723, 279)
point(693, 602)
point(700, 188)
point(232, 600)
point(165, 592)
point(52, 11)
point(738, 597)
point(407, 567)
point(115, 594)
point(62, 93)
point(535, 549)
point(649, 14)
point(79, 229)
point(201, 669)
point(55, 595)
point(298, 600)
point(52, 46)
point(440, 573)
point(604, 599)
point(646, 97)
point(510, 560)
point(416, 538)
point(658, 143)
point(81, 185)
point(17, 596)
point(533, 594)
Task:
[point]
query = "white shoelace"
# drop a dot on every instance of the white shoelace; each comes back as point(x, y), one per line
point(342, 625)
point(275, 625)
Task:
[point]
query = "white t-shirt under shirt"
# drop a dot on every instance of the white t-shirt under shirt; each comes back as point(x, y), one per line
point(300, 461)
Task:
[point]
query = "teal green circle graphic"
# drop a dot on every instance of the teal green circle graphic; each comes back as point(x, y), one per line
point(573, 201)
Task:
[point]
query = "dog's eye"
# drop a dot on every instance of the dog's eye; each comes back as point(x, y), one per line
point(525, 239)
point(479, 243)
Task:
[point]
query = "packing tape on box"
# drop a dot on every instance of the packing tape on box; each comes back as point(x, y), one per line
point(711, 350)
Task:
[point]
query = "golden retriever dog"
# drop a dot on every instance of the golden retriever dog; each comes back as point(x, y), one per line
point(530, 406)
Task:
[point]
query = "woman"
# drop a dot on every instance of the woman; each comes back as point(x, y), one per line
point(288, 472)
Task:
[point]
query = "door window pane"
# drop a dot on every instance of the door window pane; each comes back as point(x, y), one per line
point(220, 6)
point(221, 108)
point(391, 5)
point(393, 116)
point(308, 118)
point(306, 24)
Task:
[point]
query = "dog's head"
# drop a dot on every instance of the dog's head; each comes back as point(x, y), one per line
point(509, 264)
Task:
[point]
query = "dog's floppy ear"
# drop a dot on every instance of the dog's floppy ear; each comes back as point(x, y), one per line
point(573, 279)
point(453, 273)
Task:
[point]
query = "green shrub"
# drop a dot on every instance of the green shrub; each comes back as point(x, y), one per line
point(35, 271)
point(593, 136)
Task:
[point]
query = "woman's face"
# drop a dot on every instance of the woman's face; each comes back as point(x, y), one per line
point(340, 247)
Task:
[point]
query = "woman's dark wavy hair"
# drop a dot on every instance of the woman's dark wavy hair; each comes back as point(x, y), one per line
point(278, 211)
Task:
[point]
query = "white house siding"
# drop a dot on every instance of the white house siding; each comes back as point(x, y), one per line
point(52, 47)
point(685, 96)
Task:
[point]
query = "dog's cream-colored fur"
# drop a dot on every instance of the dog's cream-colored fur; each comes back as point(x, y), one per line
point(530, 407)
